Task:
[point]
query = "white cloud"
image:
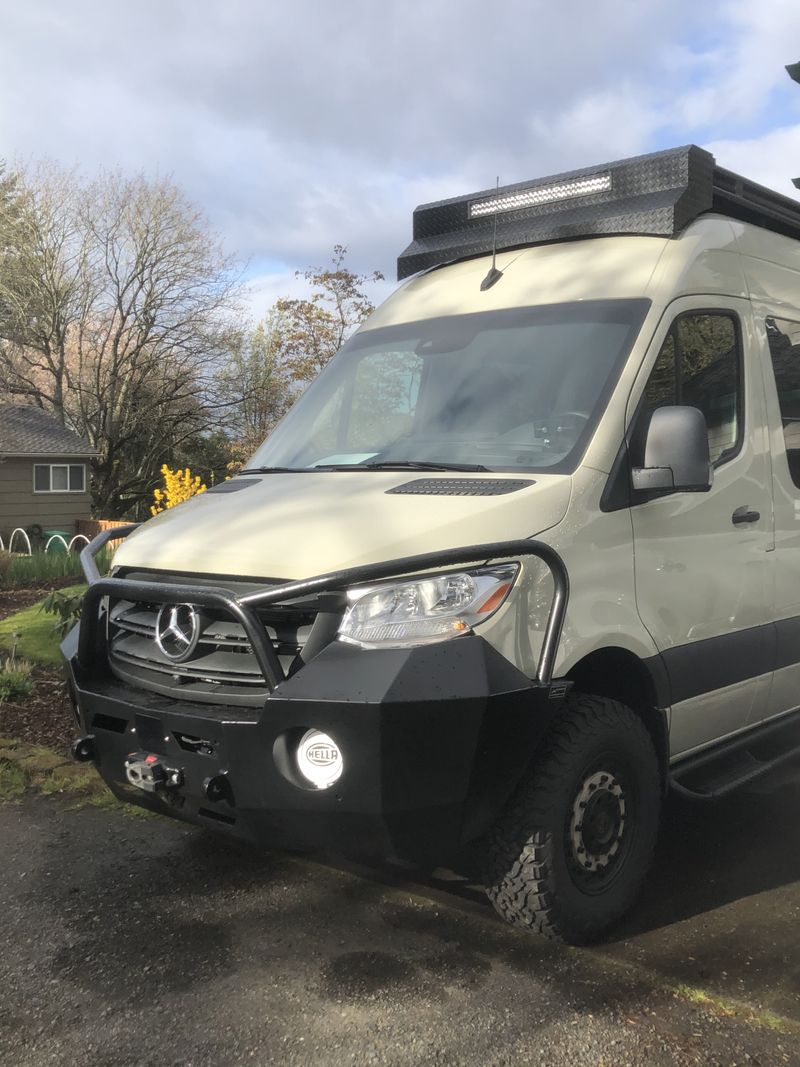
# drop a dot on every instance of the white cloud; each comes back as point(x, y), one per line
point(772, 159)
point(299, 126)
point(739, 74)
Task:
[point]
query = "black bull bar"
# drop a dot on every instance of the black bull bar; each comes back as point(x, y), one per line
point(241, 608)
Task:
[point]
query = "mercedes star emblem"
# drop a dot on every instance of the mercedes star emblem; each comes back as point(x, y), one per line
point(178, 631)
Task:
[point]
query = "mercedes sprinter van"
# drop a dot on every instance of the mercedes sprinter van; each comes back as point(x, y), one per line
point(522, 559)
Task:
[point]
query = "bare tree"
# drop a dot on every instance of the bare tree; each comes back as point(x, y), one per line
point(10, 210)
point(122, 307)
point(255, 384)
point(45, 290)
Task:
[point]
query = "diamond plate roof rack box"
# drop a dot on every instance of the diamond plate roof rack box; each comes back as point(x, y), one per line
point(520, 561)
point(657, 194)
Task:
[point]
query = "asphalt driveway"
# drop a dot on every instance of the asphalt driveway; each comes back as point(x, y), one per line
point(139, 941)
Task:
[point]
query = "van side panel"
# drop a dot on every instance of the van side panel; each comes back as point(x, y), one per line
point(598, 552)
point(701, 579)
point(784, 594)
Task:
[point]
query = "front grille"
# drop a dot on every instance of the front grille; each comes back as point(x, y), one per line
point(222, 668)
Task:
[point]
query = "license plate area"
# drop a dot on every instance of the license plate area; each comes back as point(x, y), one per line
point(152, 737)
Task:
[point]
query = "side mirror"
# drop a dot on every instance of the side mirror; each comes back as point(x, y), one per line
point(675, 452)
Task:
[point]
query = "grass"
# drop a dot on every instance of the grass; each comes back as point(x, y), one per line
point(16, 572)
point(13, 781)
point(15, 678)
point(37, 641)
point(725, 1007)
point(31, 768)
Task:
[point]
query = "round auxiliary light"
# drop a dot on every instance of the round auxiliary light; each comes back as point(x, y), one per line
point(319, 759)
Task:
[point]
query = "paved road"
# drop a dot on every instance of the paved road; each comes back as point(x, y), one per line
point(138, 941)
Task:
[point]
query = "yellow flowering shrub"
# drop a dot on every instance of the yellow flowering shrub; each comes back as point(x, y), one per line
point(178, 486)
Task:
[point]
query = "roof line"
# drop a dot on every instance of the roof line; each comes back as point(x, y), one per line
point(45, 455)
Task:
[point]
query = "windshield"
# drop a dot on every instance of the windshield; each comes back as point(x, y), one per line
point(515, 390)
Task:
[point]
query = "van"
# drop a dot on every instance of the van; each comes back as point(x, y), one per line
point(523, 559)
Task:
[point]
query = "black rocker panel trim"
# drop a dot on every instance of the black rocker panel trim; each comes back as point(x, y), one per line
point(787, 643)
point(704, 666)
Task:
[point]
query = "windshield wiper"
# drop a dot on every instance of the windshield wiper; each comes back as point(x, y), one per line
point(419, 465)
point(377, 465)
point(423, 465)
point(274, 470)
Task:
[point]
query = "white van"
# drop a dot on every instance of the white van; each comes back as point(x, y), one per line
point(524, 557)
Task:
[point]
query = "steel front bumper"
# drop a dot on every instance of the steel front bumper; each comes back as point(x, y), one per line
point(433, 740)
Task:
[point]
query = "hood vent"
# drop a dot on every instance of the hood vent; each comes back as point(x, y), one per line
point(461, 486)
point(235, 485)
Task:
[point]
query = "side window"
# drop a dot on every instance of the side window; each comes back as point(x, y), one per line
point(784, 348)
point(700, 365)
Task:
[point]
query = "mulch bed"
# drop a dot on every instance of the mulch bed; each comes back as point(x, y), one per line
point(14, 600)
point(45, 717)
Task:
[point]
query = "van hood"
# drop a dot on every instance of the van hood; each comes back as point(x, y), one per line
point(294, 525)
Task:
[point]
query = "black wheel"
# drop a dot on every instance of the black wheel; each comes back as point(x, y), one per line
point(569, 852)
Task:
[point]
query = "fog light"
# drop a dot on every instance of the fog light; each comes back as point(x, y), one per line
point(319, 759)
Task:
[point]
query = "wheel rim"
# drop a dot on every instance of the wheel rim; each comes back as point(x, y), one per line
point(598, 830)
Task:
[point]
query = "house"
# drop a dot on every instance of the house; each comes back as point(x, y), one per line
point(44, 471)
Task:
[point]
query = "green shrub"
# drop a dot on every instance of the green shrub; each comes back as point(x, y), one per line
point(6, 560)
point(15, 678)
point(67, 606)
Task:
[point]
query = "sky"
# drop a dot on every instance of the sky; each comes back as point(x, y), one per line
point(298, 126)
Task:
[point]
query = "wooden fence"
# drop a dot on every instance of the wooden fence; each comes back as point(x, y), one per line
point(92, 527)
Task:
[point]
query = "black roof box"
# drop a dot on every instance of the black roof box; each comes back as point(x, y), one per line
point(657, 194)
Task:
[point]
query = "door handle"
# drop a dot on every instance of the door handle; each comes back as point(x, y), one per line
point(743, 515)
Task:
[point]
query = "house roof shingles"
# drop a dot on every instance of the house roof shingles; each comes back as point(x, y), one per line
point(29, 431)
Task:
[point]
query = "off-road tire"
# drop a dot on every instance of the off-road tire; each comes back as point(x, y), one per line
point(538, 867)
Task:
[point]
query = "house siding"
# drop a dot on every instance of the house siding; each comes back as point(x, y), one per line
point(20, 506)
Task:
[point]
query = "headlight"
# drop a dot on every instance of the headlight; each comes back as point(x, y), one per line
point(427, 609)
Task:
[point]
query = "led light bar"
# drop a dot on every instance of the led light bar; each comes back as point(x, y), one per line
point(545, 194)
point(658, 194)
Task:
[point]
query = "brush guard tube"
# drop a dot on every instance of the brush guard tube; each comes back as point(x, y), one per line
point(241, 608)
point(434, 737)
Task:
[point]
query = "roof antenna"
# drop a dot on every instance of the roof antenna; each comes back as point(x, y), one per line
point(494, 274)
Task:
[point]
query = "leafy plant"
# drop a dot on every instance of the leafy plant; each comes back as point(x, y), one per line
point(6, 560)
point(15, 678)
point(44, 567)
point(67, 606)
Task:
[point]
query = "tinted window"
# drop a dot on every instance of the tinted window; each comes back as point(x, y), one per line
point(784, 347)
point(700, 365)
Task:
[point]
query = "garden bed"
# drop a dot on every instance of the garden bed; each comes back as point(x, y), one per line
point(13, 600)
point(45, 716)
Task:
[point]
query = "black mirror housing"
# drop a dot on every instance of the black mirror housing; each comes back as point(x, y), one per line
point(676, 457)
